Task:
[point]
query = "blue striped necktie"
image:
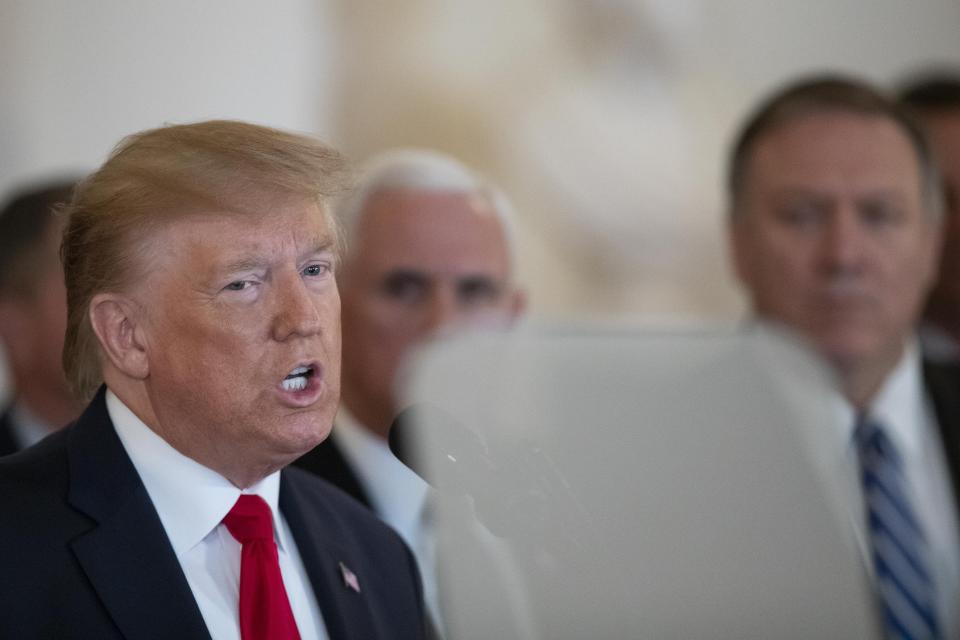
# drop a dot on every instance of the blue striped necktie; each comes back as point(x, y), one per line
point(898, 545)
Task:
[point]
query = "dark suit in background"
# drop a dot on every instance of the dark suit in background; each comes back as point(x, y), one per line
point(469, 559)
point(942, 382)
point(8, 442)
point(327, 461)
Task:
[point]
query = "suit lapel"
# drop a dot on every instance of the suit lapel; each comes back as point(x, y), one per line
point(126, 554)
point(346, 612)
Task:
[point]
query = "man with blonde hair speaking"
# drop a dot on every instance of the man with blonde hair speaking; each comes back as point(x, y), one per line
point(204, 323)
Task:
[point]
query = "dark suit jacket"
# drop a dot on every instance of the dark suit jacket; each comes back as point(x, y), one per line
point(8, 443)
point(942, 382)
point(83, 553)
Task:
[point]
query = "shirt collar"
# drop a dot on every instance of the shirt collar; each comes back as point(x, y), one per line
point(900, 404)
point(397, 493)
point(190, 498)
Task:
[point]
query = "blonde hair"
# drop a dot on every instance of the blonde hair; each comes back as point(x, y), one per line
point(154, 177)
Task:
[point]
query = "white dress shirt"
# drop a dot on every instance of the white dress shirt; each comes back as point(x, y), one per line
point(904, 411)
point(191, 501)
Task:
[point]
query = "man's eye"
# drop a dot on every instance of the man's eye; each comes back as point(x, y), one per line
point(880, 213)
point(238, 285)
point(404, 287)
point(316, 270)
point(801, 214)
point(477, 290)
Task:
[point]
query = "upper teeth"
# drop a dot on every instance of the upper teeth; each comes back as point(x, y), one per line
point(296, 380)
point(294, 384)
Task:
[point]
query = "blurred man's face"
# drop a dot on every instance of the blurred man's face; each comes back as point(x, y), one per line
point(419, 262)
point(41, 323)
point(943, 128)
point(242, 325)
point(47, 322)
point(833, 240)
point(33, 324)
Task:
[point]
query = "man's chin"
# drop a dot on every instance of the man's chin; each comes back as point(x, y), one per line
point(301, 433)
point(850, 352)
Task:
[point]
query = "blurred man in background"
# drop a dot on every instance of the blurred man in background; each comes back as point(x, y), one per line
point(429, 251)
point(33, 316)
point(835, 217)
point(935, 100)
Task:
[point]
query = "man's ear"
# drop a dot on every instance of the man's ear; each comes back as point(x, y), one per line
point(118, 324)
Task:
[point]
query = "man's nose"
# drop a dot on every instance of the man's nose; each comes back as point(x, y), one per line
point(442, 312)
point(296, 311)
point(843, 241)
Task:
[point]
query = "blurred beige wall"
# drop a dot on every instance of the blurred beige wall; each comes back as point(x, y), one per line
point(75, 77)
point(606, 120)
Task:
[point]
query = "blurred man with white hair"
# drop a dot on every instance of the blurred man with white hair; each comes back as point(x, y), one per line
point(429, 250)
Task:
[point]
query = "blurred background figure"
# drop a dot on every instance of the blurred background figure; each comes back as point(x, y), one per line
point(835, 214)
point(33, 316)
point(429, 251)
point(934, 98)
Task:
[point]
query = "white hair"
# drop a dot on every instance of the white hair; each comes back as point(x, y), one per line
point(422, 170)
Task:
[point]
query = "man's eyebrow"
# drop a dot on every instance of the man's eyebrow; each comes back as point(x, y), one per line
point(477, 278)
point(323, 244)
point(886, 193)
point(798, 191)
point(403, 273)
point(243, 264)
point(259, 261)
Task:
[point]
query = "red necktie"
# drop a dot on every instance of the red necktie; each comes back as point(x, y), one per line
point(264, 609)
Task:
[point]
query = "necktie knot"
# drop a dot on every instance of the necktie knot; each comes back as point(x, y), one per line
point(874, 443)
point(249, 520)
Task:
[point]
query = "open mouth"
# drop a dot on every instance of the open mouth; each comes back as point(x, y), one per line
point(298, 379)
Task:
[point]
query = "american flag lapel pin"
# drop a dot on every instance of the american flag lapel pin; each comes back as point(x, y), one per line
point(349, 578)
